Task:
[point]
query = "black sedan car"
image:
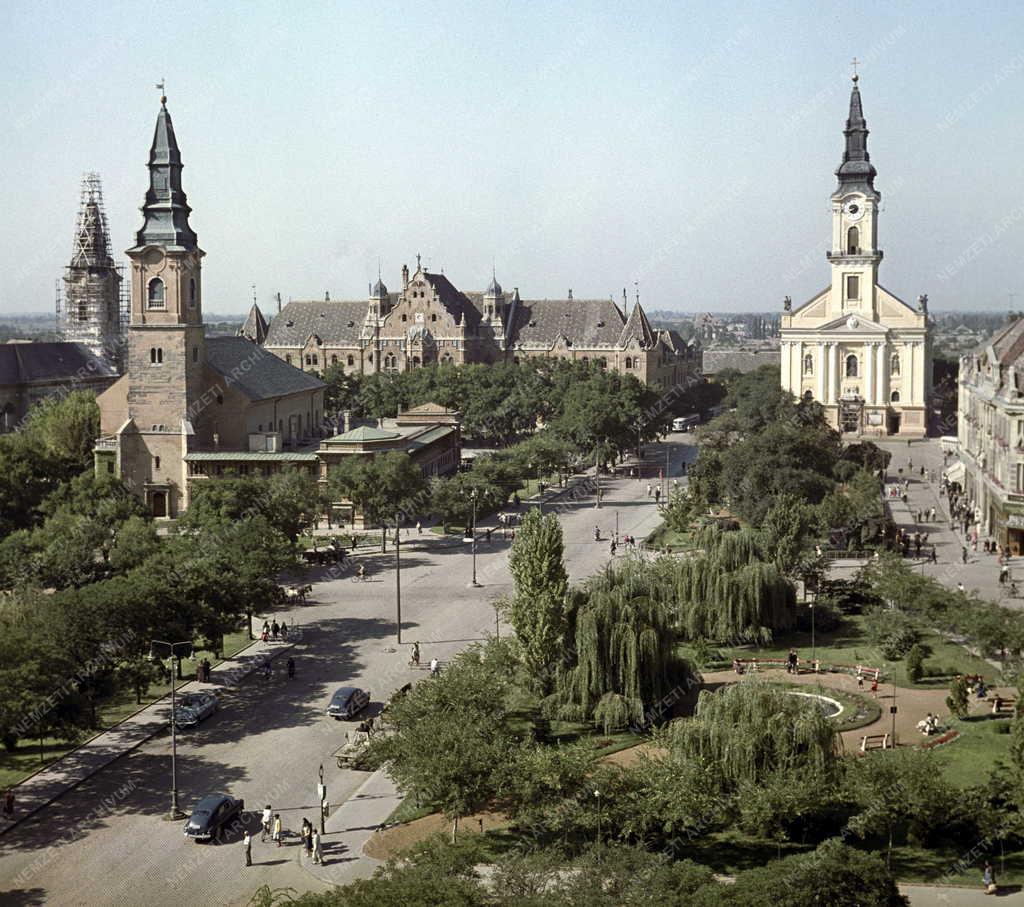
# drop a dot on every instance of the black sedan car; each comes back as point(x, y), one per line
point(348, 702)
point(212, 814)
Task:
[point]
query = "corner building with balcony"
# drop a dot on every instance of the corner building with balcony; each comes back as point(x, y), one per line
point(990, 429)
point(855, 347)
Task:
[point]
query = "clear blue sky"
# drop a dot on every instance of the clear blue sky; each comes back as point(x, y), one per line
point(690, 147)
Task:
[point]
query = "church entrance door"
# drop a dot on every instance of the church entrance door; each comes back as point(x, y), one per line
point(894, 423)
point(158, 504)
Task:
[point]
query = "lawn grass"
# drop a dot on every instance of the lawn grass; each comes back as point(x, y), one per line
point(849, 645)
point(939, 865)
point(970, 759)
point(663, 537)
point(32, 755)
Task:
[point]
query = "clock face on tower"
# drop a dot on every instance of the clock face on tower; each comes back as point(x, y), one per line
point(853, 209)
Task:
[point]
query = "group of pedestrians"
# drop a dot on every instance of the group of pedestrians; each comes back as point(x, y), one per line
point(274, 631)
point(272, 827)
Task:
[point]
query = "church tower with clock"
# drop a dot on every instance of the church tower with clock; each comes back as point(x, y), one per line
point(856, 348)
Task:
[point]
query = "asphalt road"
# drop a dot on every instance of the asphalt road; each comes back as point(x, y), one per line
point(107, 842)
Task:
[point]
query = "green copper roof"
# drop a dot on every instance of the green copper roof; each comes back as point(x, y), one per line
point(248, 456)
point(364, 434)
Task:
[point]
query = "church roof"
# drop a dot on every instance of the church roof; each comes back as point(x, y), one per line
point(336, 323)
point(255, 327)
point(714, 362)
point(454, 300)
point(586, 323)
point(257, 373)
point(1008, 343)
point(366, 434)
point(30, 363)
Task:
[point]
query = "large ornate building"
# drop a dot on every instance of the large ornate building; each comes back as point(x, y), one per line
point(855, 347)
point(430, 321)
point(990, 429)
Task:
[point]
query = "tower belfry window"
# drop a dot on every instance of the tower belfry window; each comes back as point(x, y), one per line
point(155, 295)
point(853, 241)
point(853, 286)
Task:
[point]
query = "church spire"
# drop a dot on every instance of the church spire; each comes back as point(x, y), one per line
point(856, 170)
point(166, 209)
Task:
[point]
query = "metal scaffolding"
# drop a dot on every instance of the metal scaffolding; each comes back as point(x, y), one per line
point(92, 299)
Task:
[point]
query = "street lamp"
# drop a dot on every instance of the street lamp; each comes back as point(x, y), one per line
point(398, 584)
point(173, 648)
point(471, 537)
point(597, 477)
point(597, 794)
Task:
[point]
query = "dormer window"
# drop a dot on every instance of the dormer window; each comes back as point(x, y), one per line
point(155, 295)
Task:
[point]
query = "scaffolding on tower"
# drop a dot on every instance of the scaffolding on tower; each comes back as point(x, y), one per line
point(92, 298)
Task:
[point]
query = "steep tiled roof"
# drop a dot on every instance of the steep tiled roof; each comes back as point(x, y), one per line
point(24, 363)
point(255, 327)
point(458, 303)
point(715, 361)
point(255, 372)
point(637, 328)
point(587, 323)
point(336, 323)
point(1008, 344)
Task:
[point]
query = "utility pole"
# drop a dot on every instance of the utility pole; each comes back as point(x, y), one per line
point(398, 583)
point(597, 477)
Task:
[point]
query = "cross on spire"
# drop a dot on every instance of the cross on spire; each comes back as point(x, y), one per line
point(855, 63)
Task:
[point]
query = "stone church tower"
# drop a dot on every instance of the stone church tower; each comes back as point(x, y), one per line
point(856, 348)
point(90, 311)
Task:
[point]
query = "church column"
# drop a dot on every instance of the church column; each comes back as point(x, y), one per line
point(821, 372)
point(881, 394)
point(911, 369)
point(786, 365)
point(869, 372)
point(833, 375)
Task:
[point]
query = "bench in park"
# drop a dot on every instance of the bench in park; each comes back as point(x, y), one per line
point(1001, 705)
point(874, 742)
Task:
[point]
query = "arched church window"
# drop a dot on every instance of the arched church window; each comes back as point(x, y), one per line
point(351, 360)
point(334, 360)
point(851, 366)
point(155, 295)
point(894, 364)
point(894, 397)
point(629, 362)
point(853, 240)
point(808, 364)
point(192, 293)
point(156, 355)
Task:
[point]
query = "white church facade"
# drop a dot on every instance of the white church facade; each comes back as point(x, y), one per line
point(855, 347)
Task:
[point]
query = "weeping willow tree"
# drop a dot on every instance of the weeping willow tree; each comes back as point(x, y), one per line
point(625, 663)
point(728, 592)
point(750, 731)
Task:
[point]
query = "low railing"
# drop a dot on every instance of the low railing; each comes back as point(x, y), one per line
point(105, 444)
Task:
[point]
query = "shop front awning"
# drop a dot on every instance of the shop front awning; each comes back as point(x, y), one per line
point(954, 473)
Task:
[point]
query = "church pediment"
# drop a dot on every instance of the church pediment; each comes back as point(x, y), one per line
point(853, 324)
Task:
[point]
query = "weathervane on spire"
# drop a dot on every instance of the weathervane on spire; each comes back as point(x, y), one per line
point(161, 88)
point(855, 63)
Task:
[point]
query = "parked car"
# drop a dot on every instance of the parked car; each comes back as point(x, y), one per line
point(211, 815)
point(191, 708)
point(347, 702)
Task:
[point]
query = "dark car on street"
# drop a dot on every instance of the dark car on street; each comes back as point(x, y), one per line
point(347, 702)
point(211, 815)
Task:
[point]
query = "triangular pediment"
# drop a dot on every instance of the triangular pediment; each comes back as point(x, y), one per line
point(853, 324)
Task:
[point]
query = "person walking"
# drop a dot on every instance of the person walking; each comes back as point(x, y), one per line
point(318, 854)
point(963, 554)
point(988, 879)
point(650, 490)
point(267, 669)
point(268, 817)
point(247, 844)
point(419, 528)
point(860, 680)
point(277, 829)
point(435, 667)
point(307, 836)
point(275, 629)
point(415, 659)
point(9, 804)
point(874, 687)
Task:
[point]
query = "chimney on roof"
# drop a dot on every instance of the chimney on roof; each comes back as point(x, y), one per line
point(327, 296)
point(570, 292)
point(625, 302)
point(278, 303)
point(405, 276)
point(347, 416)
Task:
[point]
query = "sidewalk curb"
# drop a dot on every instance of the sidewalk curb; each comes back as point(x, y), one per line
point(99, 768)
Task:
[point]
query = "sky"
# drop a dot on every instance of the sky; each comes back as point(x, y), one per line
point(685, 150)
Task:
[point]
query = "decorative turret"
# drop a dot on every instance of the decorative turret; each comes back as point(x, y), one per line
point(380, 300)
point(255, 327)
point(166, 209)
point(494, 302)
